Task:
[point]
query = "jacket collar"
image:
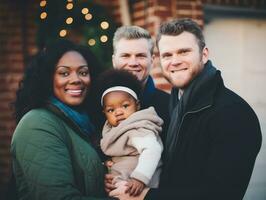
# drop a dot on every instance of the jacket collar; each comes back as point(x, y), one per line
point(201, 91)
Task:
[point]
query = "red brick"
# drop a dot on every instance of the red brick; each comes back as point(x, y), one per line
point(163, 14)
point(7, 125)
point(164, 3)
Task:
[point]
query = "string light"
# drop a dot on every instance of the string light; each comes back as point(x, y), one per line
point(43, 15)
point(43, 3)
point(69, 20)
point(69, 6)
point(88, 16)
point(63, 33)
point(104, 25)
point(104, 38)
point(91, 42)
point(85, 11)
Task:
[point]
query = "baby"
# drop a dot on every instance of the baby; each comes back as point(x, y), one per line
point(130, 136)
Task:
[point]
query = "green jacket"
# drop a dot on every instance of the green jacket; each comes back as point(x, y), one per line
point(51, 160)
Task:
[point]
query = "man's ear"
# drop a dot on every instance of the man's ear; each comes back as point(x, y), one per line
point(152, 59)
point(113, 60)
point(205, 55)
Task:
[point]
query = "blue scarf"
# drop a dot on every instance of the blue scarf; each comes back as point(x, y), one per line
point(148, 92)
point(80, 118)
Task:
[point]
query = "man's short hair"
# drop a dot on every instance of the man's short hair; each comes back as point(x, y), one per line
point(178, 26)
point(130, 33)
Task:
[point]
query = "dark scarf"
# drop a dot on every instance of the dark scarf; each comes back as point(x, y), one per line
point(193, 95)
point(80, 118)
point(147, 92)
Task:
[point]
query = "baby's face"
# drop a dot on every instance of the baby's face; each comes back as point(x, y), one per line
point(118, 106)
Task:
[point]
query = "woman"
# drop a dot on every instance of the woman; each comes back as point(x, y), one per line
point(53, 151)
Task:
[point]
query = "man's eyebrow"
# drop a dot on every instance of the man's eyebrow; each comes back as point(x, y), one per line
point(185, 49)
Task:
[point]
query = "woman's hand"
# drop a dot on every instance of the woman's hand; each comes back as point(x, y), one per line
point(108, 183)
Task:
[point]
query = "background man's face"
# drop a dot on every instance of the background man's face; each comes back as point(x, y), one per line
point(181, 59)
point(134, 56)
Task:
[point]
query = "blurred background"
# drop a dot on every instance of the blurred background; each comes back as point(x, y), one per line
point(235, 32)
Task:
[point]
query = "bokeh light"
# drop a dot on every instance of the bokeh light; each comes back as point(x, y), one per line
point(91, 42)
point(85, 11)
point(63, 33)
point(69, 20)
point(104, 38)
point(43, 3)
point(69, 6)
point(88, 16)
point(43, 15)
point(104, 25)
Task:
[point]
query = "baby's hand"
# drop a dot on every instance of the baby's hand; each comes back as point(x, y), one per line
point(135, 187)
point(121, 188)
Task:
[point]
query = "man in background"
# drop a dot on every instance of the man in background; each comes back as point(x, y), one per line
point(133, 51)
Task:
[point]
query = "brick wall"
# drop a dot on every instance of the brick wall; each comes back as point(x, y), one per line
point(258, 4)
point(191, 9)
point(113, 9)
point(10, 70)
point(15, 24)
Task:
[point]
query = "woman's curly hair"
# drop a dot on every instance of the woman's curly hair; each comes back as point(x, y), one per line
point(37, 84)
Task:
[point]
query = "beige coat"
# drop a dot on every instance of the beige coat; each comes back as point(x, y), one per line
point(135, 147)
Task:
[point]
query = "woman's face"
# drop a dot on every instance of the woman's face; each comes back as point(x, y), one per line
point(71, 79)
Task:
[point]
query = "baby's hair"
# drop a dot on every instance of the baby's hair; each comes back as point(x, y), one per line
point(118, 77)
